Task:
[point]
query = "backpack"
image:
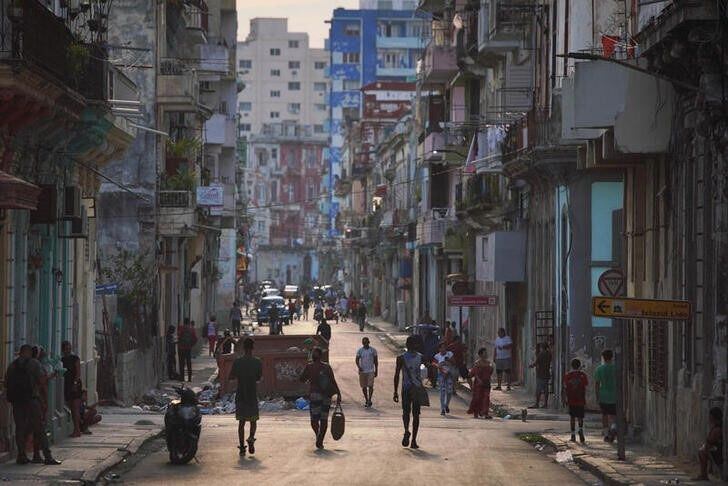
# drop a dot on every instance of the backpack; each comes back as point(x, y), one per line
point(324, 382)
point(19, 384)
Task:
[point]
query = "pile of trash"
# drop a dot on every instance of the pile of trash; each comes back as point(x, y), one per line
point(211, 402)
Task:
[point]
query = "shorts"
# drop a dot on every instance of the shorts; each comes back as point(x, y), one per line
point(576, 411)
point(409, 404)
point(608, 408)
point(542, 385)
point(503, 364)
point(319, 407)
point(366, 380)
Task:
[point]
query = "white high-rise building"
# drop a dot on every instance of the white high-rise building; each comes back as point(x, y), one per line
point(285, 79)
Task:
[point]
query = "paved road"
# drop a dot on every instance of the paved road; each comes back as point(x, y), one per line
point(454, 450)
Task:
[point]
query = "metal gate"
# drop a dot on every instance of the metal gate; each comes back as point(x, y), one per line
point(546, 333)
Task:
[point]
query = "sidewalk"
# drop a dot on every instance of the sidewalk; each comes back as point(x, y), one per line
point(86, 458)
point(122, 431)
point(642, 466)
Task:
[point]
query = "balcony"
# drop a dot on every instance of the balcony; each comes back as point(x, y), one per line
point(501, 27)
point(396, 72)
point(481, 193)
point(196, 21)
point(177, 214)
point(445, 146)
point(399, 42)
point(674, 23)
point(431, 230)
point(440, 63)
point(178, 92)
point(215, 59)
point(31, 35)
point(220, 130)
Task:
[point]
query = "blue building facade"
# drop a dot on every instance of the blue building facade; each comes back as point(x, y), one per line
point(366, 46)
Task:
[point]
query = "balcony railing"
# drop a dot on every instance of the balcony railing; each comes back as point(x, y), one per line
point(175, 199)
point(30, 33)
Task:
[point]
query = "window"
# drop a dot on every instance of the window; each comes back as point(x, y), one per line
point(311, 192)
point(318, 129)
point(274, 191)
point(274, 153)
point(351, 85)
point(275, 114)
point(245, 127)
point(294, 64)
point(261, 225)
point(351, 30)
point(319, 86)
point(294, 108)
point(294, 86)
point(319, 65)
point(351, 58)
point(245, 106)
point(245, 64)
point(275, 52)
point(275, 72)
point(320, 107)
point(293, 44)
point(275, 94)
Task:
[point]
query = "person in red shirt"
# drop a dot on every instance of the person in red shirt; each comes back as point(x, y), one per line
point(575, 383)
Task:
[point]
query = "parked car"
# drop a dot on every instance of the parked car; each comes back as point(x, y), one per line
point(290, 291)
point(265, 305)
point(270, 291)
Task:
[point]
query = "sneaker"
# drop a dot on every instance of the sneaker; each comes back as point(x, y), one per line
point(442, 413)
point(581, 437)
point(241, 450)
point(508, 388)
point(251, 446)
point(573, 438)
point(607, 438)
point(414, 445)
point(498, 388)
point(447, 409)
point(50, 461)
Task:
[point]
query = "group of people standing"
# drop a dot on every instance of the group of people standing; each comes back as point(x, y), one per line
point(26, 385)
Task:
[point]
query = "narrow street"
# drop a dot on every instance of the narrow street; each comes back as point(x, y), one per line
point(454, 450)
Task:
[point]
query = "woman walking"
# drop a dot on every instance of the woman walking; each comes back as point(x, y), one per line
point(212, 335)
point(481, 373)
point(443, 360)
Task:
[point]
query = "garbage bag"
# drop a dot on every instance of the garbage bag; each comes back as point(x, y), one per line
point(302, 404)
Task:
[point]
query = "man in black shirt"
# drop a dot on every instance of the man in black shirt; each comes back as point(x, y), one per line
point(324, 330)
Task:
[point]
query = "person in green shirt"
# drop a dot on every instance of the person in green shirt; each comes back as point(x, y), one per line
point(605, 386)
point(247, 371)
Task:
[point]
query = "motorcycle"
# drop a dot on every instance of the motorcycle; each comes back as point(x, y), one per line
point(182, 424)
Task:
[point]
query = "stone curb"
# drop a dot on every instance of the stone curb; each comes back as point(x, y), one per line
point(597, 466)
point(91, 475)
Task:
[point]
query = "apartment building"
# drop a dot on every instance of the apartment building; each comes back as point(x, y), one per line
point(283, 121)
point(380, 41)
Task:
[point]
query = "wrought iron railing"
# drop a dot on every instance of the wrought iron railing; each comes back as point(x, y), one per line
point(175, 199)
point(31, 33)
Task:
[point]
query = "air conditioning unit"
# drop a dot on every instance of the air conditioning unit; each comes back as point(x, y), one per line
point(71, 202)
point(294, 72)
point(77, 227)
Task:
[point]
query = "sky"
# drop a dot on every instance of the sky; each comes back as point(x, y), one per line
point(303, 15)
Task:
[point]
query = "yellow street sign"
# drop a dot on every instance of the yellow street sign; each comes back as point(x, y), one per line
point(619, 308)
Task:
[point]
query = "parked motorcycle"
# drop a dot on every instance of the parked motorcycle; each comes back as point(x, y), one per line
point(182, 424)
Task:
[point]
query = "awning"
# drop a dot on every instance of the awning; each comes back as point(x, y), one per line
point(15, 193)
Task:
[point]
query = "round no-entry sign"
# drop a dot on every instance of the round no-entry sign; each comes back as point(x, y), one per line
point(611, 283)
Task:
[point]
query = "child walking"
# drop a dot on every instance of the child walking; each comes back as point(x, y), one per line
point(575, 383)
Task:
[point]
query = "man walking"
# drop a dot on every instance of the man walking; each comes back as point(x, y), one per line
point(211, 335)
point(408, 363)
point(322, 386)
point(605, 387)
point(503, 349)
point(361, 312)
point(236, 317)
point(367, 362)
point(542, 363)
point(22, 383)
point(306, 305)
point(186, 340)
point(273, 319)
point(444, 363)
point(247, 371)
point(324, 330)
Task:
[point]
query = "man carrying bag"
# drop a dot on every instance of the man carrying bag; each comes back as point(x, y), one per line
point(322, 386)
point(414, 395)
